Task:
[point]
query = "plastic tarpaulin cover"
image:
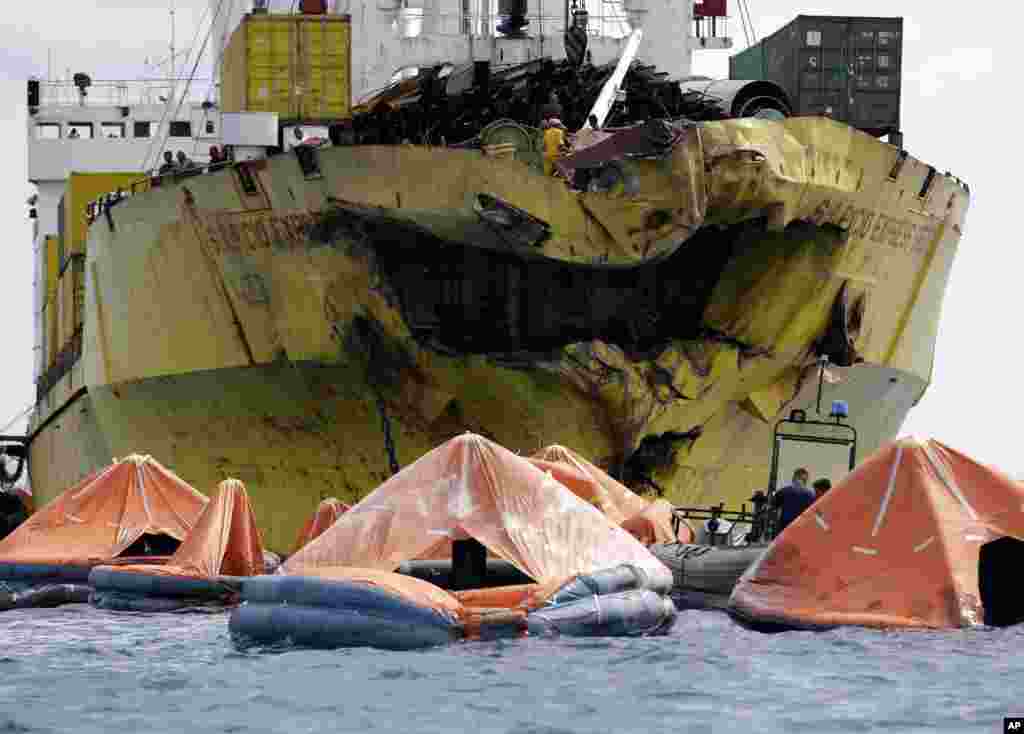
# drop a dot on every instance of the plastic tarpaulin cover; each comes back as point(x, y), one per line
point(472, 488)
point(103, 515)
point(327, 513)
point(895, 544)
point(225, 541)
point(649, 522)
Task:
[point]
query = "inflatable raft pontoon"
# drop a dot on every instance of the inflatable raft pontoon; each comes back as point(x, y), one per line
point(446, 512)
point(206, 570)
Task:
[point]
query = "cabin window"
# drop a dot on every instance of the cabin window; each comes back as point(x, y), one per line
point(181, 129)
point(210, 127)
point(112, 129)
point(48, 131)
point(814, 38)
point(882, 82)
point(143, 129)
point(79, 130)
point(866, 38)
point(883, 61)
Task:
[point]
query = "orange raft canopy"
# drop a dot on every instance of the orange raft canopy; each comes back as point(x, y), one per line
point(647, 521)
point(327, 513)
point(467, 498)
point(134, 507)
point(918, 535)
point(224, 546)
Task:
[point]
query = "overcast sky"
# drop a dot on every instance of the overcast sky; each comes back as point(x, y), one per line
point(961, 112)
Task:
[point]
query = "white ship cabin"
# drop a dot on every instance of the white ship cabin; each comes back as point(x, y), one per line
point(109, 126)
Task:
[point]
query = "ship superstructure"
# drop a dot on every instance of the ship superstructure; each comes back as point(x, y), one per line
point(313, 320)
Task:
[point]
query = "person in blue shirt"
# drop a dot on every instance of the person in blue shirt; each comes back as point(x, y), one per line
point(793, 499)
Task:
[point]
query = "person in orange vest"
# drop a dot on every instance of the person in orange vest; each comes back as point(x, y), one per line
point(554, 144)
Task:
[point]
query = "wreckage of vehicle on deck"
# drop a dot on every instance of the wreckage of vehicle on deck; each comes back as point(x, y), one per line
point(452, 104)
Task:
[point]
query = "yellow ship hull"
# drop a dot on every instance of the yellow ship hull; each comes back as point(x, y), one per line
point(296, 333)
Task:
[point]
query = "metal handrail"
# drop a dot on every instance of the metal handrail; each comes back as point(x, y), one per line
point(95, 208)
point(116, 92)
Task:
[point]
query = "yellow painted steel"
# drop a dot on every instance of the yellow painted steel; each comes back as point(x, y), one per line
point(81, 189)
point(52, 266)
point(261, 372)
point(51, 307)
point(67, 306)
point(295, 65)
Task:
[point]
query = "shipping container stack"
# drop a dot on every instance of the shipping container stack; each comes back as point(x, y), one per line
point(843, 67)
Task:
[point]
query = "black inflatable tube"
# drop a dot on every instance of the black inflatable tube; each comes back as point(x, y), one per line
point(327, 628)
point(699, 600)
point(45, 597)
point(499, 573)
point(117, 601)
point(107, 579)
point(772, 624)
point(703, 575)
point(635, 613)
point(55, 572)
point(327, 613)
point(309, 591)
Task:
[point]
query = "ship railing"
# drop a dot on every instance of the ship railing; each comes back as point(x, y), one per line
point(760, 520)
point(121, 93)
point(62, 364)
point(105, 202)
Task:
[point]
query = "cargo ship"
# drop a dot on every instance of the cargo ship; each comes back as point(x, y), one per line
point(386, 260)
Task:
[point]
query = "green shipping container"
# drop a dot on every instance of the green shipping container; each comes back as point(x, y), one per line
point(748, 64)
point(849, 68)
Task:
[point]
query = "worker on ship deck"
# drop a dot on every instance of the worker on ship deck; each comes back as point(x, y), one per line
point(821, 488)
point(168, 165)
point(792, 499)
point(554, 144)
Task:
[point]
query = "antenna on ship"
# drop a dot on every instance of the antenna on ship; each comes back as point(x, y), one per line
point(174, 73)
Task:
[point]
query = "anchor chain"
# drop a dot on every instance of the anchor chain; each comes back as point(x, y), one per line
point(389, 442)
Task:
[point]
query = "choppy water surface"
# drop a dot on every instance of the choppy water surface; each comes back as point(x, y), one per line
point(79, 670)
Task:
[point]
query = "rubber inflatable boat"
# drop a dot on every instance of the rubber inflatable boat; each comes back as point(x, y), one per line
point(917, 536)
point(703, 576)
point(135, 512)
point(379, 609)
point(206, 571)
point(558, 565)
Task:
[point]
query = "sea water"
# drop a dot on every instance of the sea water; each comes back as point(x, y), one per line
point(76, 669)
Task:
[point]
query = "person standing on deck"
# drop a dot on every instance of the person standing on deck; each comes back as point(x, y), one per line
point(168, 165)
point(821, 488)
point(554, 142)
point(793, 499)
